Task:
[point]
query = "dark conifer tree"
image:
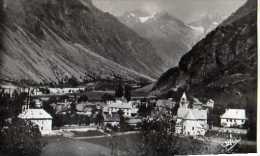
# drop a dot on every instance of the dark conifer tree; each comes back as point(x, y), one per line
point(128, 92)
point(119, 91)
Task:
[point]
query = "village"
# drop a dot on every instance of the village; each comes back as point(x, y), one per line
point(69, 112)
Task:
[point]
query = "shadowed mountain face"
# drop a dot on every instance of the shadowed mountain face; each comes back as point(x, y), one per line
point(170, 36)
point(222, 65)
point(49, 39)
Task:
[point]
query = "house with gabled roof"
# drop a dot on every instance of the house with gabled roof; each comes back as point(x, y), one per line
point(38, 117)
point(233, 118)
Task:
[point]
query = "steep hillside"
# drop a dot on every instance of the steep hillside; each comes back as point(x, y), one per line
point(246, 9)
point(223, 65)
point(170, 36)
point(49, 39)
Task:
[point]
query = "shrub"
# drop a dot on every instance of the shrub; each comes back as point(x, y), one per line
point(20, 138)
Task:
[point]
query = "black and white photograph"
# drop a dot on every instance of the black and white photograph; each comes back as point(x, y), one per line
point(128, 77)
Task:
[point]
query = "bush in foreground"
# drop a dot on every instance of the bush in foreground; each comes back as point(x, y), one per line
point(20, 138)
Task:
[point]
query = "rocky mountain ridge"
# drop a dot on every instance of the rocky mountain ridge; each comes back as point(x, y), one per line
point(169, 35)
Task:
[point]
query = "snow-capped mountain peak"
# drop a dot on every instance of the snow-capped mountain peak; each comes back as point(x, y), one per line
point(171, 36)
point(146, 18)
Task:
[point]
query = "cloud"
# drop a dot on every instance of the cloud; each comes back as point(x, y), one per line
point(187, 10)
point(151, 7)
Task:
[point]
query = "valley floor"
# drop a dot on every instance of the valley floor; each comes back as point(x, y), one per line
point(125, 143)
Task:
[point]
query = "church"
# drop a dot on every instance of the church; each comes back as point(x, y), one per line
point(190, 122)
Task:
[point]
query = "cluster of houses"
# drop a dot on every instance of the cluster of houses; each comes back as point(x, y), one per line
point(191, 118)
point(36, 91)
point(109, 110)
point(129, 111)
point(128, 107)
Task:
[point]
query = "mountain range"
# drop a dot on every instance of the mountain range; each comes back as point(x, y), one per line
point(45, 41)
point(169, 35)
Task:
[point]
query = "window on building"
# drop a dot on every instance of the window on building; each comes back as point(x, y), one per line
point(192, 128)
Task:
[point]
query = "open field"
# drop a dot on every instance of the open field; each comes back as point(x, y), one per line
point(124, 142)
point(68, 147)
point(121, 140)
point(88, 147)
point(127, 144)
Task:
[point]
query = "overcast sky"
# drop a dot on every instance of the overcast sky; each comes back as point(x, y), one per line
point(187, 10)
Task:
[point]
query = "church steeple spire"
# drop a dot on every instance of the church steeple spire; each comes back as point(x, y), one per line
point(184, 103)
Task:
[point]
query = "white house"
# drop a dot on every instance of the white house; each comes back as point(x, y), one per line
point(233, 118)
point(114, 106)
point(190, 121)
point(39, 117)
